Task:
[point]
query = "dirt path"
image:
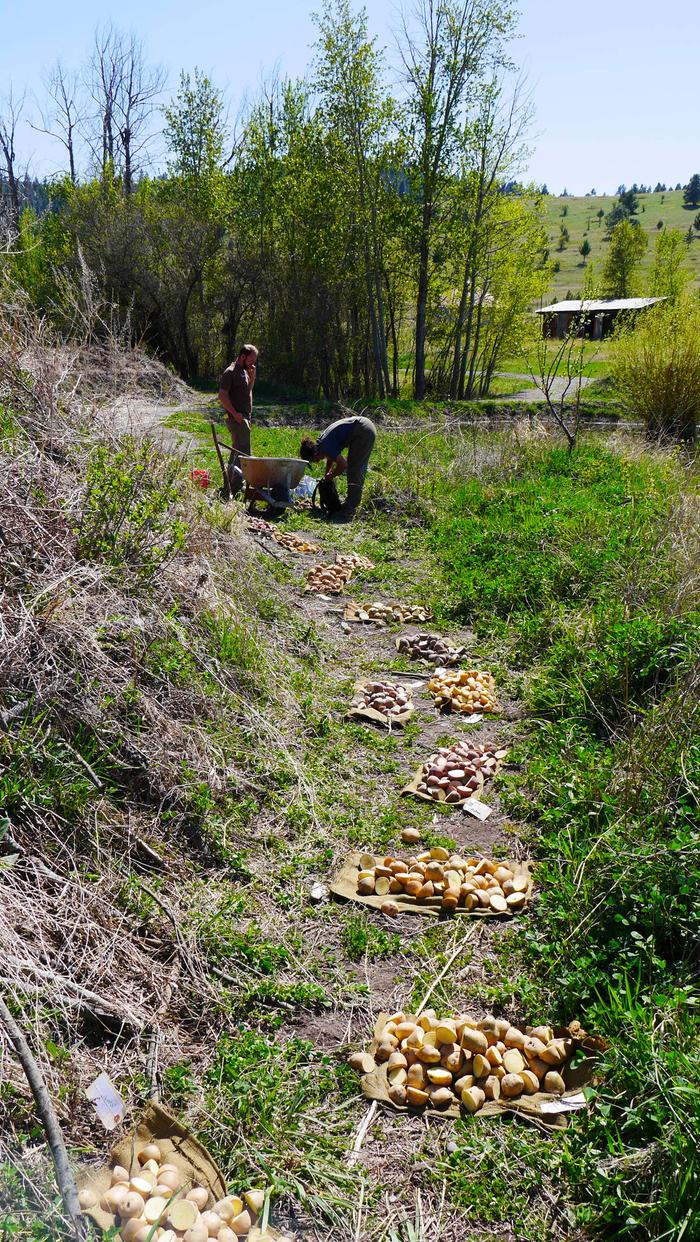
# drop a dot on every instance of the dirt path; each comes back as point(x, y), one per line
point(561, 386)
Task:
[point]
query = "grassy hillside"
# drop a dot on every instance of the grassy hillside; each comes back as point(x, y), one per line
point(582, 222)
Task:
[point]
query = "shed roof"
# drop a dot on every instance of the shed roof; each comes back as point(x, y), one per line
point(590, 306)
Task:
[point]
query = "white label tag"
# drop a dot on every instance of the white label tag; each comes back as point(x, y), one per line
point(569, 1104)
point(476, 808)
point(107, 1100)
point(473, 719)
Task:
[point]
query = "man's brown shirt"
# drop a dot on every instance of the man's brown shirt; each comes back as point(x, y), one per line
point(236, 383)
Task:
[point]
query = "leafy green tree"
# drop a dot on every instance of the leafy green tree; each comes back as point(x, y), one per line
point(669, 274)
point(195, 130)
point(585, 249)
point(563, 238)
point(621, 271)
point(357, 114)
point(599, 215)
point(691, 193)
point(445, 53)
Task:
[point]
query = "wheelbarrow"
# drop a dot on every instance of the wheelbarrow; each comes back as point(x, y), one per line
point(270, 480)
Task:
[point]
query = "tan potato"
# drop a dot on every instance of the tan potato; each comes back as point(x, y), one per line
point(475, 1041)
point(554, 1083)
point(120, 1175)
point(514, 1038)
point(417, 1098)
point(199, 1196)
point(241, 1224)
point(131, 1205)
point(441, 1097)
point(554, 1053)
point(482, 1068)
point(212, 1223)
point(150, 1152)
point(531, 1082)
point(473, 1099)
point(361, 1062)
point(439, 1077)
point(512, 1086)
point(533, 1048)
point(513, 1061)
point(182, 1215)
point(154, 1209)
point(492, 1087)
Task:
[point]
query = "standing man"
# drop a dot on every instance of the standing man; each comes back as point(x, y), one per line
point(236, 396)
point(357, 435)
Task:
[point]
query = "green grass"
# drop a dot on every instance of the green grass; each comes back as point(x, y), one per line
point(581, 221)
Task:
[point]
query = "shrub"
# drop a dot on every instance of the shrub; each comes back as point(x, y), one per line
point(128, 518)
point(655, 364)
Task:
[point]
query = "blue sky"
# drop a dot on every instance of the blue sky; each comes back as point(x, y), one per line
point(614, 84)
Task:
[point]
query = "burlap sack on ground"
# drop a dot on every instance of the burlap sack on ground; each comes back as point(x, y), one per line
point(368, 713)
point(179, 1147)
point(375, 1086)
point(344, 885)
point(412, 787)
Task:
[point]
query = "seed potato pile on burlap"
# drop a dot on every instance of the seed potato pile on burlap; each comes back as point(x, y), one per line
point(155, 1203)
point(384, 614)
point(353, 560)
point(449, 880)
point(328, 579)
point(384, 697)
point(439, 1062)
point(455, 773)
point(468, 691)
point(430, 648)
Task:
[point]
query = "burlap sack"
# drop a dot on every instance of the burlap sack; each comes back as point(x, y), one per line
point(375, 1086)
point(355, 712)
point(344, 885)
point(179, 1147)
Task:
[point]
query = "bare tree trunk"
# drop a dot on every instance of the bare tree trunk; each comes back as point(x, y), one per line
point(45, 1109)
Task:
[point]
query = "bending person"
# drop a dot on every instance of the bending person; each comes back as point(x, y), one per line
point(357, 436)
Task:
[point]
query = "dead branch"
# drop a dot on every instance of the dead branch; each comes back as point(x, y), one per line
point(45, 1109)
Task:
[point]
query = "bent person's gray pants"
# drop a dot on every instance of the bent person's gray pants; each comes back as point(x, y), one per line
point(359, 449)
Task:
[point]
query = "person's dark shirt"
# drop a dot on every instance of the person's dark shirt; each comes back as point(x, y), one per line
point(336, 437)
point(236, 383)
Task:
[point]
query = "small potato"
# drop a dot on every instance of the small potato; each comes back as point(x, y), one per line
point(135, 1230)
point(397, 1095)
point(441, 1097)
point(150, 1152)
point(514, 1038)
point(131, 1205)
point(492, 1088)
point(534, 1048)
point(475, 1041)
point(512, 1086)
point(212, 1222)
point(154, 1209)
point(87, 1198)
point(554, 1083)
point(361, 1062)
point(416, 1097)
point(390, 909)
point(513, 1061)
point(120, 1175)
point(482, 1068)
point(198, 1233)
point(242, 1223)
point(397, 1060)
point(416, 1075)
point(199, 1196)
point(493, 1056)
point(531, 1082)
point(114, 1197)
point(439, 1077)
point(473, 1099)
point(428, 1054)
point(229, 1207)
point(554, 1053)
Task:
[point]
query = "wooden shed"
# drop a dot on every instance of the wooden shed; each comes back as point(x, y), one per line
point(591, 318)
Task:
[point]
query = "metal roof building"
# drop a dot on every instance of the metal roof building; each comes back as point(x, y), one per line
point(597, 316)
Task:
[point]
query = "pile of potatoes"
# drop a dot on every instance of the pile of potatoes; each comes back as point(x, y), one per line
point(293, 543)
point(437, 877)
point(470, 691)
point(440, 1062)
point(285, 538)
point(384, 697)
point(156, 1195)
point(384, 614)
point(353, 560)
point(457, 772)
point(430, 648)
point(328, 578)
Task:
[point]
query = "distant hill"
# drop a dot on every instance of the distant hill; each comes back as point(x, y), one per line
point(582, 221)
